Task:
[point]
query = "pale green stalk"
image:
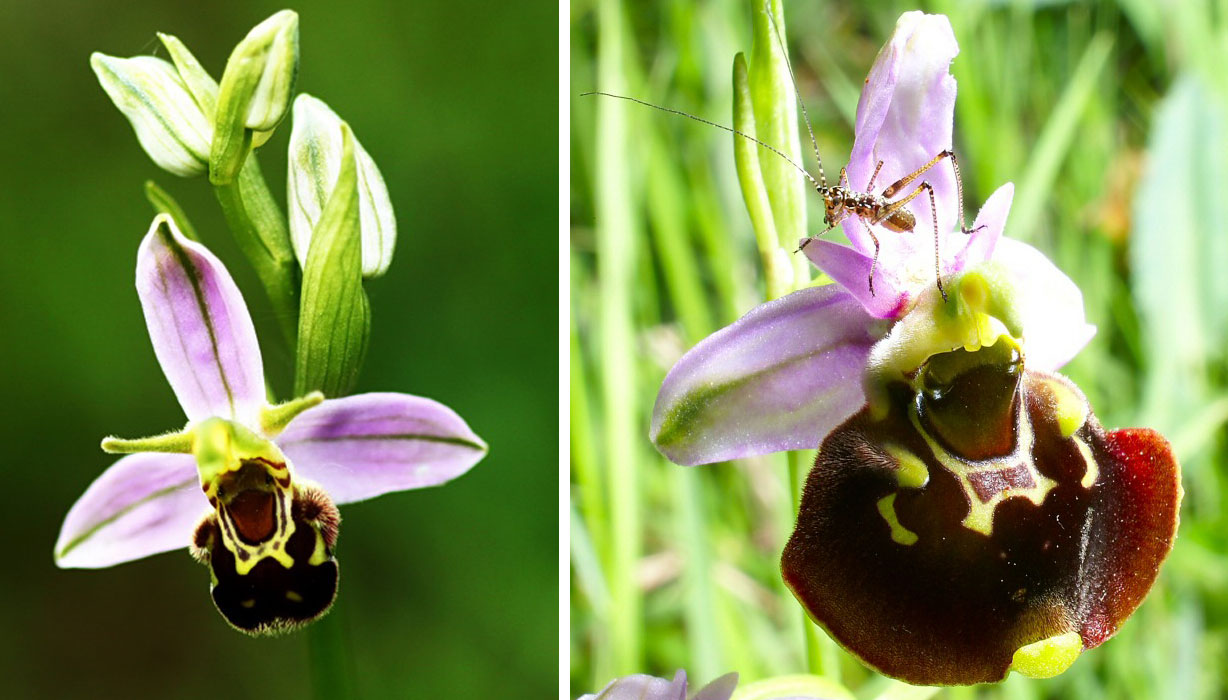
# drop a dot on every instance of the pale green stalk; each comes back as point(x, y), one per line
point(332, 673)
point(616, 236)
point(260, 230)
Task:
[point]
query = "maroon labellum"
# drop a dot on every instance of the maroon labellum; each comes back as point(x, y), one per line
point(986, 512)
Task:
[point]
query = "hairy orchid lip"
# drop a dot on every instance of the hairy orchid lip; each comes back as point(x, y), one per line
point(944, 559)
point(281, 589)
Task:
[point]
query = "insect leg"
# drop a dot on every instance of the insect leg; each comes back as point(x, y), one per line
point(874, 262)
point(959, 186)
point(805, 242)
point(873, 177)
point(844, 177)
point(925, 185)
point(892, 207)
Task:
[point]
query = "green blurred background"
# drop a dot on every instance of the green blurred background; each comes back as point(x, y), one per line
point(445, 592)
point(1109, 116)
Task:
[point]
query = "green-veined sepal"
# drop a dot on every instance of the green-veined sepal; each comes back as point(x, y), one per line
point(169, 123)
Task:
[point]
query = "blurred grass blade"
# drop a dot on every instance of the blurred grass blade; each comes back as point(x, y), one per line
point(1177, 250)
point(617, 237)
point(1056, 139)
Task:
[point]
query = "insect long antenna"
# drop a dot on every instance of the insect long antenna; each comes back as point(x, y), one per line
point(767, 9)
point(731, 130)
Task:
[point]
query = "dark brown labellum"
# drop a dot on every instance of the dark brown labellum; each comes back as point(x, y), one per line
point(272, 590)
point(988, 511)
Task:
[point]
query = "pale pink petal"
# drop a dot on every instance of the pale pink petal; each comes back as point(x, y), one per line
point(359, 447)
point(199, 326)
point(988, 227)
point(643, 687)
point(779, 378)
point(905, 119)
point(143, 504)
point(852, 271)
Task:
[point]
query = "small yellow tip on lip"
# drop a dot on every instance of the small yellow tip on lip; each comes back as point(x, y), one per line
point(1048, 657)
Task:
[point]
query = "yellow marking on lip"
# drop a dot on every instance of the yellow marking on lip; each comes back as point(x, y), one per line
point(1070, 408)
point(1093, 470)
point(899, 533)
point(912, 474)
point(981, 514)
point(1047, 657)
point(319, 555)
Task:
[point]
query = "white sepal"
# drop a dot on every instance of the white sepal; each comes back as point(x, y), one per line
point(168, 122)
point(314, 163)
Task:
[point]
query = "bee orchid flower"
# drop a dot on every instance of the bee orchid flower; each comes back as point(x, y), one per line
point(967, 515)
point(249, 487)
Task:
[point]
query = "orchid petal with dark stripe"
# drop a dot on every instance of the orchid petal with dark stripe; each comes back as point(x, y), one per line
point(144, 504)
point(200, 328)
point(359, 447)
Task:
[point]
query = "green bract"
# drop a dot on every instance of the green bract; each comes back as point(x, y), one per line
point(334, 320)
point(314, 164)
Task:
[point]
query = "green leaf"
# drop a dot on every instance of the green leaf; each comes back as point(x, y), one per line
point(1178, 246)
point(750, 177)
point(334, 318)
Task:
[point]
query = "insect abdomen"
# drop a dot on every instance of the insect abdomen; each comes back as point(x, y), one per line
point(900, 221)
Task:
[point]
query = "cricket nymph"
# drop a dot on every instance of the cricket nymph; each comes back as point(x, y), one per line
point(841, 202)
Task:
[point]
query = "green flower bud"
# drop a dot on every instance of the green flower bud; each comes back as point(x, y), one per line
point(169, 122)
point(315, 163)
point(274, 40)
point(254, 94)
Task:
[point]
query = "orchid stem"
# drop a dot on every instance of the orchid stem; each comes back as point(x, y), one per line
point(822, 658)
point(260, 230)
point(331, 662)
